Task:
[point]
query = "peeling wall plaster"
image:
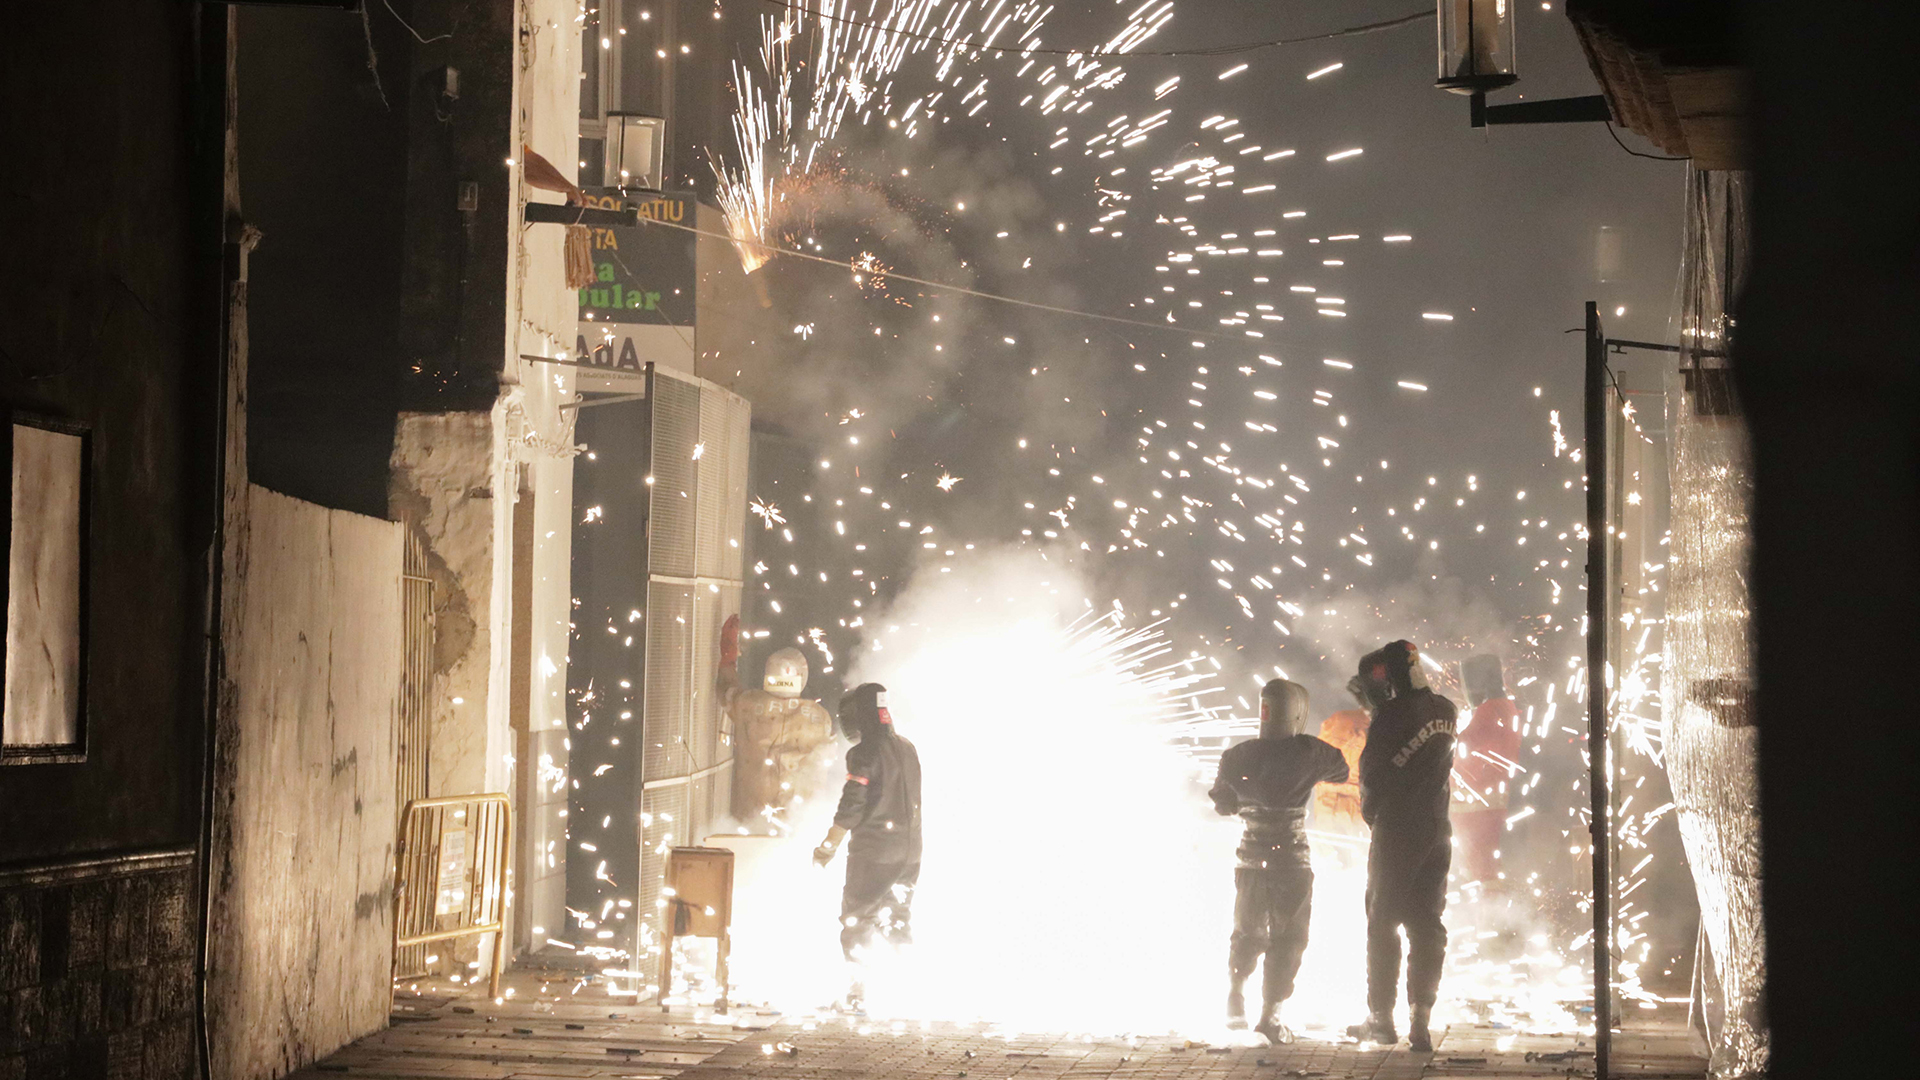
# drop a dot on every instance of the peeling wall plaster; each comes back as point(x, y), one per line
point(302, 927)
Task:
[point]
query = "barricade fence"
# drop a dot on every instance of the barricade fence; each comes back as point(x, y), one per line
point(451, 877)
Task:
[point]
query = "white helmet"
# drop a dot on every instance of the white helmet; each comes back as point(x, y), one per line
point(786, 674)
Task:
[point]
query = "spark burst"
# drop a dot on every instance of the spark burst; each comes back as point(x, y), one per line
point(1260, 512)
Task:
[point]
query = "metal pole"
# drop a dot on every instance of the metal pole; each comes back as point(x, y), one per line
point(1599, 631)
point(506, 894)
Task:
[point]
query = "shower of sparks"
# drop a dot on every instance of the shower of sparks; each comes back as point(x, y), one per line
point(1251, 482)
point(869, 272)
point(790, 106)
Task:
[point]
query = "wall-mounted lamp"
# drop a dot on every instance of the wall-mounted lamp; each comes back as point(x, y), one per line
point(1477, 56)
point(1476, 46)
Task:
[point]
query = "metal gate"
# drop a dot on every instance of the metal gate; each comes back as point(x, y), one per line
point(416, 683)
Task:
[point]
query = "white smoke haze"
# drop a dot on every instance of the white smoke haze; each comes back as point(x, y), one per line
point(936, 348)
point(1448, 619)
point(1075, 877)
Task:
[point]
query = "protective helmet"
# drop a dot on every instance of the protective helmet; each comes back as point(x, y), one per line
point(786, 674)
point(1403, 667)
point(1283, 709)
point(863, 713)
point(1483, 678)
point(1370, 686)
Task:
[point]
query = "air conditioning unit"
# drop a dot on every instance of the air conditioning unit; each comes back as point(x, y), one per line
point(636, 150)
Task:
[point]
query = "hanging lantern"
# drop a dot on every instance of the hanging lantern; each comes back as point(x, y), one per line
point(1476, 45)
point(636, 150)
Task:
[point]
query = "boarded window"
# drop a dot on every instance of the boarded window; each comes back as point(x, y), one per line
point(46, 562)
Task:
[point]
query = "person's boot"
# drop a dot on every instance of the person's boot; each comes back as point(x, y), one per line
point(1377, 1029)
point(855, 1003)
point(1236, 1010)
point(1419, 1038)
point(1270, 1026)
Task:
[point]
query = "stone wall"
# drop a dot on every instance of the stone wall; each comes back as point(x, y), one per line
point(300, 948)
point(96, 969)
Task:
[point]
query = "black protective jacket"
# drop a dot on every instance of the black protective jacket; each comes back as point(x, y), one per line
point(1406, 766)
point(880, 804)
point(1267, 782)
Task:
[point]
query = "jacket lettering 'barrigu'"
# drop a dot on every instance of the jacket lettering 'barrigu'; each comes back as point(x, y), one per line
point(1407, 764)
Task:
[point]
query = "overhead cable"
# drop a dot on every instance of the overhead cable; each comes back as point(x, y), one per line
point(1024, 50)
point(947, 286)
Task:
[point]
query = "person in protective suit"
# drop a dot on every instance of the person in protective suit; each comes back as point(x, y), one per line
point(880, 811)
point(1405, 774)
point(774, 730)
point(1267, 782)
point(1490, 743)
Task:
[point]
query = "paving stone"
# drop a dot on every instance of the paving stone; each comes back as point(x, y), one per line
point(563, 1036)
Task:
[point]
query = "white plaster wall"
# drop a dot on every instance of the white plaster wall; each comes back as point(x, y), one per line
point(301, 948)
point(540, 435)
point(457, 478)
point(544, 782)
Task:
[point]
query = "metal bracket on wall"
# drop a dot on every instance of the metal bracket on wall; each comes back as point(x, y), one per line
point(1573, 110)
point(551, 214)
point(612, 400)
point(605, 373)
point(1711, 387)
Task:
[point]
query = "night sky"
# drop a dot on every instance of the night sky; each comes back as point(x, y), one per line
point(1504, 228)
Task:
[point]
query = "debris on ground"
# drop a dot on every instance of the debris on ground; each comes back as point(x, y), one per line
point(1563, 1055)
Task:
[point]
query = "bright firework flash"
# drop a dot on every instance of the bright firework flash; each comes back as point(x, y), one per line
point(1075, 877)
point(853, 54)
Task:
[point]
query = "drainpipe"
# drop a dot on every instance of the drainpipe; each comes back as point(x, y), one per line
point(223, 258)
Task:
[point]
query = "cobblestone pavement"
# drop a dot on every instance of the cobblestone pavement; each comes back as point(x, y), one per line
point(552, 1028)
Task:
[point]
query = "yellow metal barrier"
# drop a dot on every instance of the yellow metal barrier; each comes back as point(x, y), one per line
point(452, 873)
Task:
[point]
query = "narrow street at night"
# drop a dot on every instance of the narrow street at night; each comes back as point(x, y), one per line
point(959, 539)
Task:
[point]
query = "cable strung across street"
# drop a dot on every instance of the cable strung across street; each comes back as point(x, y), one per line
point(1205, 50)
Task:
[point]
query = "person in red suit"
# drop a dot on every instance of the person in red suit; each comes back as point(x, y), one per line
point(1485, 768)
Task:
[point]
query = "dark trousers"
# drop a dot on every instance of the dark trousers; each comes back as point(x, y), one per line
point(1271, 909)
point(877, 900)
point(1406, 887)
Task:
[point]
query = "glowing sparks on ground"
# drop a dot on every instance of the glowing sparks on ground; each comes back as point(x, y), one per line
point(1253, 478)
